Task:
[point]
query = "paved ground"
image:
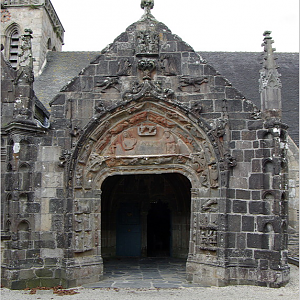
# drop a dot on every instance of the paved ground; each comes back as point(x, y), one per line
point(159, 280)
point(143, 273)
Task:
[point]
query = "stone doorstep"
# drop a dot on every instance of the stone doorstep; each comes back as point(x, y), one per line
point(44, 292)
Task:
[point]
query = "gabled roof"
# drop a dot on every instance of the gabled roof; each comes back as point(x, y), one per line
point(240, 68)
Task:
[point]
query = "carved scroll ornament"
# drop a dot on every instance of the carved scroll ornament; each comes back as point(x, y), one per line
point(147, 89)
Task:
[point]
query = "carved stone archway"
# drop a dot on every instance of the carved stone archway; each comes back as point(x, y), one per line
point(150, 137)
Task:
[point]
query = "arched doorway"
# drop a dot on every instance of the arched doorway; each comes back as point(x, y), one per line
point(146, 215)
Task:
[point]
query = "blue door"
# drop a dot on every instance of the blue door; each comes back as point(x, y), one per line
point(128, 230)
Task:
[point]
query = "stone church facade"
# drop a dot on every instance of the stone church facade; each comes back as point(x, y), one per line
point(149, 151)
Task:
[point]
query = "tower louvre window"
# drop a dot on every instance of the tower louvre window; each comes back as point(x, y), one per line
point(14, 48)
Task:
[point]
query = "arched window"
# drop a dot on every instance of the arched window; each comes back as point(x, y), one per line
point(14, 42)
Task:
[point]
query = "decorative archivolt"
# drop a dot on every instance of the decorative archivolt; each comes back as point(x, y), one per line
point(147, 136)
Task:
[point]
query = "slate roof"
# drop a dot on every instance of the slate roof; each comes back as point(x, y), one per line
point(60, 69)
point(240, 68)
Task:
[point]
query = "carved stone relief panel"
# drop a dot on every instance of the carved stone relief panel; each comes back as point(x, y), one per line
point(147, 138)
point(147, 134)
point(104, 84)
point(208, 238)
point(191, 84)
point(147, 43)
point(83, 226)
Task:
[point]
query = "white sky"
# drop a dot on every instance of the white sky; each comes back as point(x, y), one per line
point(207, 25)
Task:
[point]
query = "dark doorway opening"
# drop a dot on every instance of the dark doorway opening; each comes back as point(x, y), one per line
point(158, 230)
point(145, 215)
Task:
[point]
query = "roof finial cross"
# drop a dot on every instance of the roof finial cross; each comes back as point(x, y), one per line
point(147, 5)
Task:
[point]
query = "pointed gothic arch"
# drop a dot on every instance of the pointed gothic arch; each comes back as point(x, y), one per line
point(149, 137)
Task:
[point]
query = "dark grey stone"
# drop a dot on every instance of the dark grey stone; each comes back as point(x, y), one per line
point(248, 223)
point(239, 206)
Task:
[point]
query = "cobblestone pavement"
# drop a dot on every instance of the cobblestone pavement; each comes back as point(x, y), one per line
point(143, 273)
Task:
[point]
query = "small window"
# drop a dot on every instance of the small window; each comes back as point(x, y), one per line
point(49, 44)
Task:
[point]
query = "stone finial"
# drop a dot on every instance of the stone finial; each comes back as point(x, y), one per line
point(269, 81)
point(147, 4)
point(269, 59)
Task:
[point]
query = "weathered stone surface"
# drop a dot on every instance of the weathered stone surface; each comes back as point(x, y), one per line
point(150, 152)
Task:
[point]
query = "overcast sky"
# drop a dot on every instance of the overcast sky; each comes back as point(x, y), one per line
point(207, 25)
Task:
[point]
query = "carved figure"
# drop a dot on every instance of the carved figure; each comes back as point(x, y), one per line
point(169, 142)
point(214, 175)
point(219, 126)
point(95, 162)
point(137, 118)
point(198, 162)
point(123, 144)
point(99, 131)
point(109, 82)
point(209, 205)
point(208, 155)
point(191, 81)
point(203, 178)
point(64, 158)
point(100, 108)
point(102, 142)
point(230, 160)
point(169, 65)
point(120, 127)
point(86, 152)
point(124, 67)
point(196, 108)
point(78, 177)
point(128, 142)
point(161, 120)
point(26, 60)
